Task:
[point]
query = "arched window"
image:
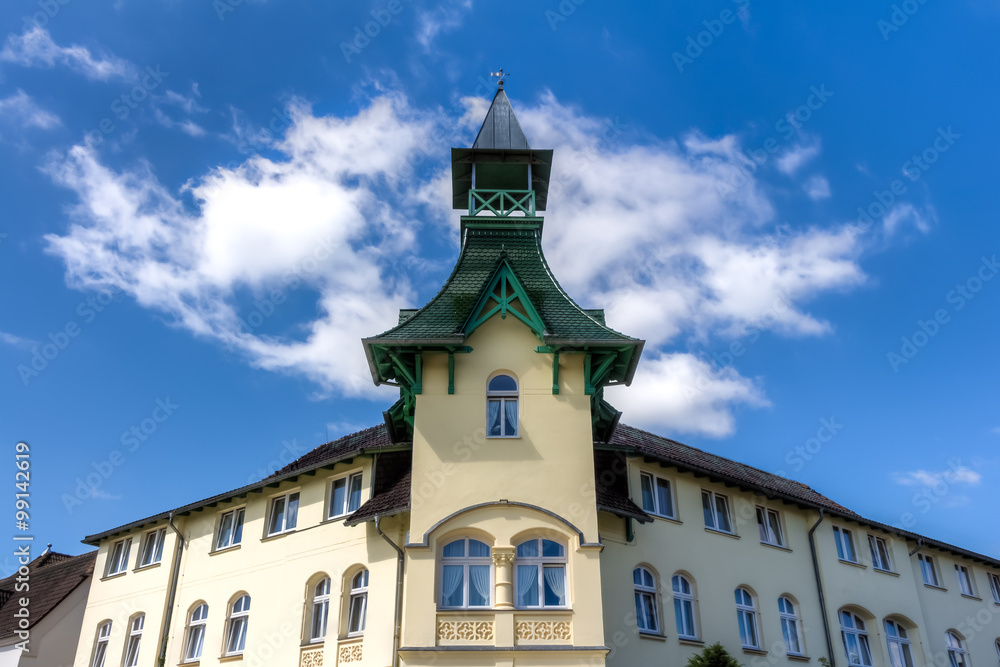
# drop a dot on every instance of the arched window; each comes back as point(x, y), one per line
point(646, 605)
point(134, 638)
point(320, 610)
point(101, 645)
point(855, 634)
point(899, 644)
point(684, 607)
point(501, 407)
point(357, 604)
point(239, 619)
point(466, 568)
point(956, 649)
point(789, 625)
point(196, 633)
point(541, 574)
point(746, 614)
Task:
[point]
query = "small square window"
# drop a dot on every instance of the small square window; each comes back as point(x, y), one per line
point(230, 529)
point(656, 496)
point(284, 514)
point(152, 547)
point(345, 495)
point(716, 510)
point(769, 525)
point(118, 557)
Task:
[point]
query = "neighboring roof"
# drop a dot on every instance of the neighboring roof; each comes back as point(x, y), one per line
point(53, 577)
point(443, 318)
point(368, 441)
point(500, 128)
point(391, 490)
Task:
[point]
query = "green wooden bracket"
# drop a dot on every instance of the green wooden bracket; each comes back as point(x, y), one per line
point(510, 290)
point(555, 373)
point(451, 373)
point(418, 367)
point(629, 530)
point(588, 388)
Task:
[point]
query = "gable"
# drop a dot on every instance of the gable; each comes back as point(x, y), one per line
point(505, 295)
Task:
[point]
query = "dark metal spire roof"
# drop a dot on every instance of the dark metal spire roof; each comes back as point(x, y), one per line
point(501, 129)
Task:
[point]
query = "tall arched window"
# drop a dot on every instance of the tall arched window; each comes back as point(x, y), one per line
point(541, 574)
point(239, 619)
point(320, 611)
point(357, 605)
point(501, 407)
point(134, 638)
point(855, 634)
point(646, 605)
point(746, 614)
point(466, 568)
point(101, 645)
point(956, 649)
point(899, 644)
point(684, 607)
point(196, 633)
point(789, 625)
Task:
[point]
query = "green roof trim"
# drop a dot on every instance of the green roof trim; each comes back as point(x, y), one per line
point(504, 294)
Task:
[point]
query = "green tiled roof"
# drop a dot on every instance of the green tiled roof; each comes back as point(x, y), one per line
point(445, 316)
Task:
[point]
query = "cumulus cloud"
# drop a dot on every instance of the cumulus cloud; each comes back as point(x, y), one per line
point(444, 18)
point(817, 188)
point(797, 156)
point(23, 109)
point(35, 48)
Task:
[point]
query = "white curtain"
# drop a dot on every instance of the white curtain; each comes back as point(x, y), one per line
point(453, 577)
point(510, 411)
point(527, 585)
point(493, 417)
point(480, 576)
point(556, 581)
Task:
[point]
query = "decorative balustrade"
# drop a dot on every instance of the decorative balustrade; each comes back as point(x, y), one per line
point(502, 203)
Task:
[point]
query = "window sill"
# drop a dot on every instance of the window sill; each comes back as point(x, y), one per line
point(687, 641)
point(754, 651)
point(151, 566)
point(853, 564)
point(779, 547)
point(972, 597)
point(189, 663)
point(231, 658)
point(722, 532)
point(503, 437)
point(338, 518)
point(889, 572)
point(114, 576)
point(655, 636)
point(275, 536)
point(798, 657)
point(664, 518)
point(936, 587)
point(312, 643)
point(216, 552)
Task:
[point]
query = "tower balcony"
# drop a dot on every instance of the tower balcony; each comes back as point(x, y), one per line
point(502, 203)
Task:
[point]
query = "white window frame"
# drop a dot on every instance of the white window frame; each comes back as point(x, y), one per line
point(238, 623)
point(789, 618)
point(844, 537)
point(503, 397)
point(194, 644)
point(319, 610)
point(286, 500)
point(713, 501)
point(358, 592)
point(644, 591)
point(685, 604)
point(134, 641)
point(767, 530)
point(881, 557)
point(958, 656)
point(994, 586)
point(928, 564)
point(152, 548)
point(897, 634)
point(966, 584)
point(118, 555)
point(542, 563)
point(747, 619)
point(860, 633)
point(465, 562)
point(101, 644)
point(345, 506)
point(239, 516)
point(654, 487)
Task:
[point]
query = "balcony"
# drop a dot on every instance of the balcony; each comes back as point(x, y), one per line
point(502, 203)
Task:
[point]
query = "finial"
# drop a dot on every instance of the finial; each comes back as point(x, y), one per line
point(501, 75)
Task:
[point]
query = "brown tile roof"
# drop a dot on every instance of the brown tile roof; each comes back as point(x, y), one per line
point(52, 577)
point(611, 479)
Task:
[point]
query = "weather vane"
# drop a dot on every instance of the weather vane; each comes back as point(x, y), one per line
point(501, 75)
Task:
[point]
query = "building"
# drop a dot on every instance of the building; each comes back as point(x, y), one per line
point(502, 514)
point(55, 591)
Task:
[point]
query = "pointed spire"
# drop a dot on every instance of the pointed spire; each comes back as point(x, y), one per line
point(500, 128)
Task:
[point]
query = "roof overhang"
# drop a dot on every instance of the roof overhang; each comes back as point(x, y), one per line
point(462, 160)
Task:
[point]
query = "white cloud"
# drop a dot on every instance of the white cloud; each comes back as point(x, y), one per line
point(904, 215)
point(683, 393)
point(444, 18)
point(35, 48)
point(995, 430)
point(797, 156)
point(187, 126)
point(23, 109)
point(955, 474)
point(817, 188)
point(15, 341)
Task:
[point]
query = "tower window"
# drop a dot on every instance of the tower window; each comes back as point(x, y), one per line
point(501, 407)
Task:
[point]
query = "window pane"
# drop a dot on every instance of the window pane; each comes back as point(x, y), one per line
point(762, 525)
point(503, 383)
point(478, 549)
point(238, 527)
point(292, 513)
point(453, 585)
point(454, 549)
point(225, 530)
point(555, 586)
point(356, 622)
point(665, 504)
point(706, 506)
point(102, 648)
point(722, 510)
point(479, 585)
point(320, 610)
point(196, 639)
point(493, 418)
point(647, 493)
point(161, 537)
point(551, 549)
point(791, 635)
point(354, 502)
point(527, 585)
point(528, 549)
point(338, 497)
point(775, 526)
point(277, 516)
point(510, 416)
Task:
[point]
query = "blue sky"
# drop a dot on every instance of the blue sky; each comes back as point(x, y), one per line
point(208, 204)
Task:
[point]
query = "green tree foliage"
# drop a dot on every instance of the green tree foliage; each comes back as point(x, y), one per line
point(713, 656)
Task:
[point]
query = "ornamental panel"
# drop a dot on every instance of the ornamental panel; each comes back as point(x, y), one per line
point(349, 653)
point(552, 631)
point(465, 631)
point(311, 658)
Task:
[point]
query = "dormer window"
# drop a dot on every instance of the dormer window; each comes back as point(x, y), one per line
point(501, 407)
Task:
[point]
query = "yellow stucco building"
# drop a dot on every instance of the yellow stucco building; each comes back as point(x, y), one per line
point(503, 516)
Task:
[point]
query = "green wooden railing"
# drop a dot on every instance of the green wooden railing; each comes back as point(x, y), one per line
point(502, 203)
